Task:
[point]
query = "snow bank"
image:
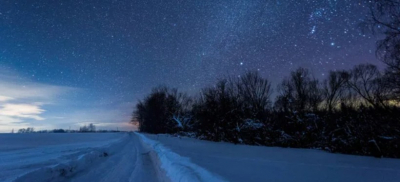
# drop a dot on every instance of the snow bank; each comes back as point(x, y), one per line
point(238, 163)
point(78, 162)
point(176, 167)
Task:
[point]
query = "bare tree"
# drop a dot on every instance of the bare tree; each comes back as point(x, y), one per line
point(301, 92)
point(314, 95)
point(284, 101)
point(368, 83)
point(299, 79)
point(334, 88)
point(254, 91)
point(385, 19)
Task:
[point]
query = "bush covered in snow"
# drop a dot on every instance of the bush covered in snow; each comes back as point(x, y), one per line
point(165, 110)
point(233, 109)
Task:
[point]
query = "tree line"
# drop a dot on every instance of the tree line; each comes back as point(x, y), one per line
point(91, 128)
point(355, 111)
point(350, 111)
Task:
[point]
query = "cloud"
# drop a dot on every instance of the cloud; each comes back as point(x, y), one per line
point(6, 120)
point(27, 103)
point(22, 100)
point(22, 111)
point(5, 98)
point(14, 90)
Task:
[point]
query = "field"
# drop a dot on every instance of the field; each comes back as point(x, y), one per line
point(145, 157)
point(47, 156)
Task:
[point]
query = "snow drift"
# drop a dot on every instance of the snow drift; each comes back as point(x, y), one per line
point(238, 163)
point(78, 163)
point(174, 166)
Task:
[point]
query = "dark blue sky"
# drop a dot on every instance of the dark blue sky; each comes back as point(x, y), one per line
point(90, 61)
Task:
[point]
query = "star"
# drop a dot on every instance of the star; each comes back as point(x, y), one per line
point(112, 54)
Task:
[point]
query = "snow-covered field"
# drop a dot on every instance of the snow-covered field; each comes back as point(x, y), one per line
point(254, 163)
point(21, 154)
point(143, 157)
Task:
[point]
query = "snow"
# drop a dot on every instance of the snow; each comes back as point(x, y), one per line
point(176, 167)
point(143, 157)
point(131, 162)
point(21, 154)
point(256, 163)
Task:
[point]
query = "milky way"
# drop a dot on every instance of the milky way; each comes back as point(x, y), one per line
point(116, 51)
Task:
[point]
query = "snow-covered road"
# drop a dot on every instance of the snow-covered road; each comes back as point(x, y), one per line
point(132, 163)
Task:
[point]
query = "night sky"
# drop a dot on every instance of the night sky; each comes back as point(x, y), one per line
point(67, 63)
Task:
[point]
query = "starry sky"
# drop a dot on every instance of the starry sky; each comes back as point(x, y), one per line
point(66, 63)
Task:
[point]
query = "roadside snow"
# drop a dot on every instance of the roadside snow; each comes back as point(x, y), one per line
point(255, 163)
point(176, 167)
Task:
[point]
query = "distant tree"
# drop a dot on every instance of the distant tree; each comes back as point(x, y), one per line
point(22, 130)
point(84, 129)
point(92, 127)
point(58, 131)
point(27, 130)
point(88, 128)
point(30, 130)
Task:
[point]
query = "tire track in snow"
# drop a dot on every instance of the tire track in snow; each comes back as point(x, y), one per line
point(128, 164)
